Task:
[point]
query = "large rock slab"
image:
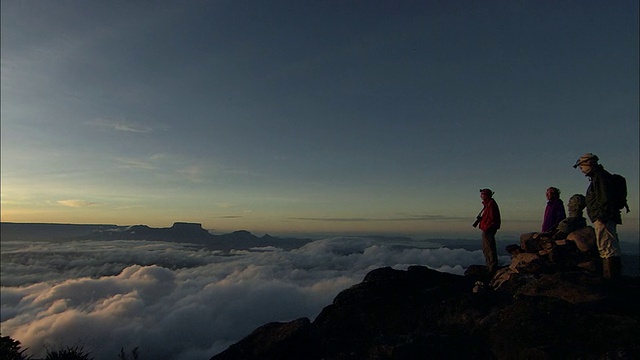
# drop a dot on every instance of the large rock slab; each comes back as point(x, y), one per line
point(422, 313)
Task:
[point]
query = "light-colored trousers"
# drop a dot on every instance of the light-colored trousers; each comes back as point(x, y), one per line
point(607, 239)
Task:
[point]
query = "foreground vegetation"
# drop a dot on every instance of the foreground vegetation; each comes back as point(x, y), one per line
point(11, 349)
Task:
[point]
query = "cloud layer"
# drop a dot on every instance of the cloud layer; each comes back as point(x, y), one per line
point(76, 203)
point(178, 302)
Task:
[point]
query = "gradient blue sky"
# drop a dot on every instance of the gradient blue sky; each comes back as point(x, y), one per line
point(312, 116)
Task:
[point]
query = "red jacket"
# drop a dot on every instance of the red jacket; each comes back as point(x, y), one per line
point(490, 216)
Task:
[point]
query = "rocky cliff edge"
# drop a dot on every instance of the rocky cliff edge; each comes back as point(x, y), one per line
point(422, 313)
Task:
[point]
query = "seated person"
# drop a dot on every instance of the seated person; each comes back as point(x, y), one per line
point(542, 241)
point(575, 221)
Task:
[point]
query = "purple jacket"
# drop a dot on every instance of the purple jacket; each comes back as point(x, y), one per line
point(553, 214)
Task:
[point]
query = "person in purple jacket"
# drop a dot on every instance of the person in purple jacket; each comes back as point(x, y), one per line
point(554, 212)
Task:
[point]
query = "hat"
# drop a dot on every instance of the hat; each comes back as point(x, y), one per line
point(487, 191)
point(588, 159)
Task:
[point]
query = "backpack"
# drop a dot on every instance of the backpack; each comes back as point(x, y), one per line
point(619, 192)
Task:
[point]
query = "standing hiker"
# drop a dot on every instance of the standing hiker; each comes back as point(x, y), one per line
point(603, 212)
point(489, 224)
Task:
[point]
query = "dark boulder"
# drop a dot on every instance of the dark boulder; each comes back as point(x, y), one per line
point(277, 341)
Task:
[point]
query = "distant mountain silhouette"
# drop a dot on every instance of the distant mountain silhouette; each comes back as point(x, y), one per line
point(53, 232)
point(180, 232)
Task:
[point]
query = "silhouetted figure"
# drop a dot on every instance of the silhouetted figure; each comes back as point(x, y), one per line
point(536, 241)
point(575, 220)
point(553, 214)
point(554, 211)
point(489, 224)
point(603, 213)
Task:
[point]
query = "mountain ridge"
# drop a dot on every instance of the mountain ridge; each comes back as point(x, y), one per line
point(180, 232)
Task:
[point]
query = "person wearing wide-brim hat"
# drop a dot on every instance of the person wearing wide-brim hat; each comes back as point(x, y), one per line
point(489, 224)
point(603, 214)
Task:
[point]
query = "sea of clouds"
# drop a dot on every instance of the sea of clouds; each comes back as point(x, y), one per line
point(179, 302)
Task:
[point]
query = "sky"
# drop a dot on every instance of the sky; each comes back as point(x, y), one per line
point(288, 117)
point(175, 302)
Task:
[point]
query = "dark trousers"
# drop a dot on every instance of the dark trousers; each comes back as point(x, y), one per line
point(489, 249)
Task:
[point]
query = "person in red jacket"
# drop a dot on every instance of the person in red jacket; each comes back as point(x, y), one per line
point(489, 224)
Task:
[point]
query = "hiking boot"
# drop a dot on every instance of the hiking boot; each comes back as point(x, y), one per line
point(612, 267)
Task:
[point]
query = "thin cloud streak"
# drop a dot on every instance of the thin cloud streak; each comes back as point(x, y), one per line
point(394, 219)
point(119, 125)
point(76, 203)
point(193, 173)
point(135, 164)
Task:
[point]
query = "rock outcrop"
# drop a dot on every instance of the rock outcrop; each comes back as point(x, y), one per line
point(178, 232)
point(421, 313)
